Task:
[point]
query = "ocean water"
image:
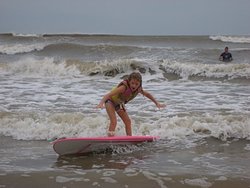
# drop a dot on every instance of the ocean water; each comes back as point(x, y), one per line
point(50, 86)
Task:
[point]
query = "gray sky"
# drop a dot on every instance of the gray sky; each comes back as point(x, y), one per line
point(129, 17)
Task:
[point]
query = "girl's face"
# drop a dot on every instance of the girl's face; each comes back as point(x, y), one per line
point(134, 84)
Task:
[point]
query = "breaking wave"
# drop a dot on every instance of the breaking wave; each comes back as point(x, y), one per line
point(170, 70)
point(191, 70)
point(233, 39)
point(19, 48)
point(26, 126)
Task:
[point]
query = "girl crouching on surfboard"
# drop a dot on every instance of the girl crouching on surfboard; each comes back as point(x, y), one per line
point(116, 99)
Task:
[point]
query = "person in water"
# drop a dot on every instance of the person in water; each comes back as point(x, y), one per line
point(116, 99)
point(226, 56)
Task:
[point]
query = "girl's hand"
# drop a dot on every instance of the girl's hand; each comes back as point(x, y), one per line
point(100, 105)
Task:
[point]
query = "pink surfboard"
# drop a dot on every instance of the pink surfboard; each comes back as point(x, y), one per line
point(69, 146)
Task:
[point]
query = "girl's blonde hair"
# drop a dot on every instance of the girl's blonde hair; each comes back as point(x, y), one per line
point(136, 76)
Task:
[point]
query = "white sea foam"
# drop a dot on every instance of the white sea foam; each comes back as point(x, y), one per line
point(222, 178)
point(247, 147)
point(50, 67)
point(26, 35)
point(119, 65)
point(109, 179)
point(185, 70)
point(62, 179)
point(20, 48)
point(233, 39)
point(41, 67)
point(58, 125)
point(200, 182)
point(154, 177)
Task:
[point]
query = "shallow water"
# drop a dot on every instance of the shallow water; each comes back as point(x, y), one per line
point(164, 163)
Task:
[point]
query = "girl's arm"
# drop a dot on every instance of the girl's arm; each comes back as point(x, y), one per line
point(149, 96)
point(110, 94)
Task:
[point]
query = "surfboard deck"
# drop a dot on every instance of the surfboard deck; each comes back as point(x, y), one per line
point(75, 146)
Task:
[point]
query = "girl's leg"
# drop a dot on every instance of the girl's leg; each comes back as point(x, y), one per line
point(112, 117)
point(126, 120)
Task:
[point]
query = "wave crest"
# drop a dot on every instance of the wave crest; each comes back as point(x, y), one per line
point(192, 70)
point(33, 126)
point(51, 67)
point(40, 67)
point(18, 48)
point(232, 39)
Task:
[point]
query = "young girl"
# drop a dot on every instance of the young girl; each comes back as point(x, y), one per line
point(114, 101)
